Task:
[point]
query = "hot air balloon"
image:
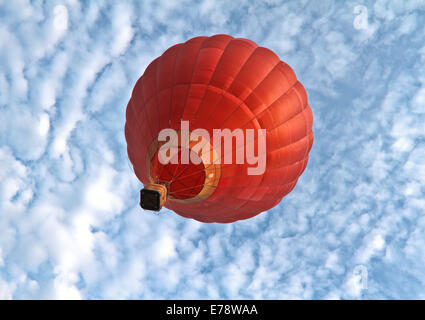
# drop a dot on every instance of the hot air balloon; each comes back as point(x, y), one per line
point(193, 97)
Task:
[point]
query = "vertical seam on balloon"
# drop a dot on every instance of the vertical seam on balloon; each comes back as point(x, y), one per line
point(206, 88)
point(305, 129)
point(188, 91)
point(156, 91)
point(144, 109)
point(146, 113)
point(156, 96)
point(266, 109)
point(243, 101)
point(303, 108)
point(212, 76)
point(291, 142)
point(224, 90)
point(172, 90)
point(222, 95)
point(173, 81)
point(262, 176)
point(135, 114)
point(138, 123)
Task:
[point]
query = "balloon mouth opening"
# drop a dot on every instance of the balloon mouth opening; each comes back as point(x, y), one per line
point(184, 174)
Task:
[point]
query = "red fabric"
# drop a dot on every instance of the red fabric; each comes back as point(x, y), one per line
point(221, 82)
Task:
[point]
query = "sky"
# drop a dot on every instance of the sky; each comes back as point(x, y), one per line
point(70, 223)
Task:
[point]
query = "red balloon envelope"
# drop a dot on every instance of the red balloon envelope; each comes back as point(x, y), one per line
point(198, 89)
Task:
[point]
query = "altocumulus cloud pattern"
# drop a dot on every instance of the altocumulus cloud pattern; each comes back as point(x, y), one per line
point(70, 225)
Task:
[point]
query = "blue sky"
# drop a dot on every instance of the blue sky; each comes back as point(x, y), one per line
point(70, 224)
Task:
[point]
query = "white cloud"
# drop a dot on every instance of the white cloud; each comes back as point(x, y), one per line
point(122, 29)
point(418, 102)
point(64, 287)
point(6, 290)
point(164, 249)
